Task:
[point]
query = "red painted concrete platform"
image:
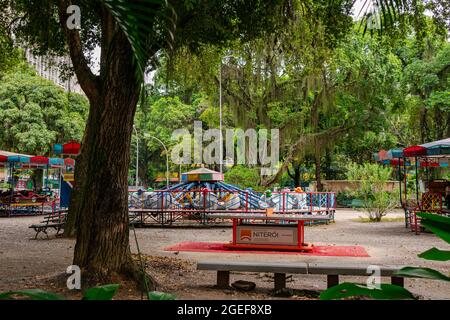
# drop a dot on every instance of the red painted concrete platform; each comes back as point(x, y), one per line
point(214, 247)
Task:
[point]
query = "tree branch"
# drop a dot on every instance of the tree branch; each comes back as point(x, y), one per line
point(304, 140)
point(233, 94)
point(107, 35)
point(87, 80)
point(289, 173)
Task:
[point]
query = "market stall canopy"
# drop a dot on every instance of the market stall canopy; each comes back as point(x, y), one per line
point(58, 148)
point(72, 148)
point(376, 157)
point(69, 162)
point(58, 162)
point(396, 162)
point(395, 153)
point(415, 151)
point(382, 155)
point(429, 164)
point(39, 160)
point(430, 149)
point(19, 159)
point(8, 153)
point(444, 162)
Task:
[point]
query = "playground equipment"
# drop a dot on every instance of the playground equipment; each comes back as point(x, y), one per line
point(18, 198)
point(203, 198)
point(67, 179)
point(427, 157)
point(24, 196)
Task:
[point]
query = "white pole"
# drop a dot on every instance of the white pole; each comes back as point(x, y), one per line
point(167, 168)
point(137, 157)
point(220, 115)
point(167, 156)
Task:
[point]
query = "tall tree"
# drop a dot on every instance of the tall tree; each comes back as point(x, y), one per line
point(35, 113)
point(128, 34)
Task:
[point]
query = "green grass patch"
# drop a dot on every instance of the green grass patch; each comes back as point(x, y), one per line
point(384, 219)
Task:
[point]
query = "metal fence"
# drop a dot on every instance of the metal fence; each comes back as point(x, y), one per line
point(166, 208)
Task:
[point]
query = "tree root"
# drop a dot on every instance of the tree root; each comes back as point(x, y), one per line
point(131, 272)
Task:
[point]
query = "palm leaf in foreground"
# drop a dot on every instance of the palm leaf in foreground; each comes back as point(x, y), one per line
point(141, 21)
point(426, 273)
point(379, 14)
point(346, 290)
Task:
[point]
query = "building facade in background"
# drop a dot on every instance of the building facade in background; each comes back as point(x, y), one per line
point(48, 68)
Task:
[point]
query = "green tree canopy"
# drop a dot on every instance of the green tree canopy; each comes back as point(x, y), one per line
point(35, 113)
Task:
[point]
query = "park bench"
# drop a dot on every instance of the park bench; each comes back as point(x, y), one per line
point(55, 221)
point(332, 271)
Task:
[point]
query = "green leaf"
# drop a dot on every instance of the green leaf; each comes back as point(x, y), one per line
point(434, 217)
point(435, 254)
point(439, 225)
point(389, 13)
point(426, 273)
point(346, 289)
point(105, 292)
point(156, 295)
point(137, 21)
point(35, 294)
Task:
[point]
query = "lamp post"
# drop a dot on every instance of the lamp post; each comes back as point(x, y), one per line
point(137, 156)
point(220, 116)
point(220, 113)
point(167, 155)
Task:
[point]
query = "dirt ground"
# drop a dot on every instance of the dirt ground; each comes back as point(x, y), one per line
point(28, 263)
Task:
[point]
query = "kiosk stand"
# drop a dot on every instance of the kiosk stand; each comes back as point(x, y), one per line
point(259, 231)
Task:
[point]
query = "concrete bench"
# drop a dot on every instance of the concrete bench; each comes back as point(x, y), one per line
point(333, 271)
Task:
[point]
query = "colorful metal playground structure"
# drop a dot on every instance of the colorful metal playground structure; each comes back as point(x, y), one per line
point(432, 196)
point(20, 199)
point(203, 198)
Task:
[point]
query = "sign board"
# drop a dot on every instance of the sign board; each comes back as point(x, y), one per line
point(267, 234)
point(69, 177)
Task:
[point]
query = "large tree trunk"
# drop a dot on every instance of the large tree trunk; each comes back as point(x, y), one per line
point(99, 208)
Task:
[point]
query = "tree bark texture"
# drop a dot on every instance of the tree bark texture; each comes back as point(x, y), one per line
point(101, 193)
point(98, 212)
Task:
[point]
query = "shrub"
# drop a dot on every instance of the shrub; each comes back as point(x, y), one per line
point(243, 177)
point(376, 201)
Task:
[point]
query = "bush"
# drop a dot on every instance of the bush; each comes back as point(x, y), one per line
point(344, 198)
point(376, 201)
point(243, 177)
